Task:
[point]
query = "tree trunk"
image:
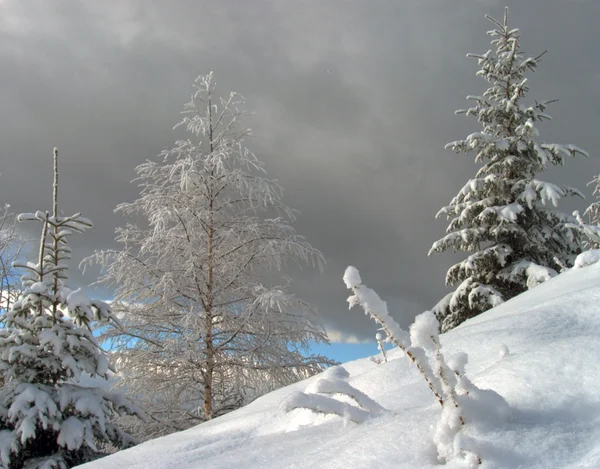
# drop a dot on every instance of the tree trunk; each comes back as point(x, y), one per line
point(208, 394)
point(208, 338)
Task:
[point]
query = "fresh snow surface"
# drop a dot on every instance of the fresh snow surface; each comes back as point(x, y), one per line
point(550, 378)
point(587, 258)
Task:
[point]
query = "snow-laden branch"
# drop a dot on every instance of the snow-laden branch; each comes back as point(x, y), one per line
point(375, 307)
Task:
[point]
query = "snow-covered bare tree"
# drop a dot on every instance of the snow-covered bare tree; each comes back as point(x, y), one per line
point(11, 245)
point(47, 420)
point(590, 229)
point(207, 328)
point(593, 211)
point(503, 215)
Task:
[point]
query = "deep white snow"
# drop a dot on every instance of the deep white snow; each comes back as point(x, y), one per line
point(540, 351)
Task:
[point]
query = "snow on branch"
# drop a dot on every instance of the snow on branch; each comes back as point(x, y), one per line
point(375, 307)
point(534, 274)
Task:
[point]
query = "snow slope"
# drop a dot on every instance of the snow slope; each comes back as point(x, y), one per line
point(550, 378)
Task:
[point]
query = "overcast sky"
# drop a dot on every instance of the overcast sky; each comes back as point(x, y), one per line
point(353, 104)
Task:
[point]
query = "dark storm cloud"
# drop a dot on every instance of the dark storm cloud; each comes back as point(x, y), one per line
point(353, 103)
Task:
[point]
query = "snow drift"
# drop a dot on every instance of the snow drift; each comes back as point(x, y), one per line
point(540, 351)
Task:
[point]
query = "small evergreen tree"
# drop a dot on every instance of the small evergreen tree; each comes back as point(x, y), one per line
point(502, 215)
point(46, 419)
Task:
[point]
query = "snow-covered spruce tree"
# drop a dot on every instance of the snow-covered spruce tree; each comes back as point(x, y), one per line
point(502, 216)
point(207, 330)
point(46, 419)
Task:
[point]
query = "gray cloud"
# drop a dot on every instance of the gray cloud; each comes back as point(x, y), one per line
point(353, 104)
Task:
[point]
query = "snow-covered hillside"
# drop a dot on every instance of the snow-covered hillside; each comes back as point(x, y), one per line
point(550, 378)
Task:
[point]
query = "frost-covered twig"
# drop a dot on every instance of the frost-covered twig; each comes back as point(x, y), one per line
point(591, 230)
point(379, 339)
point(457, 364)
point(11, 247)
point(424, 333)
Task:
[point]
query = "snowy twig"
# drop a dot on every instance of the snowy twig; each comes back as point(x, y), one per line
point(375, 307)
point(379, 339)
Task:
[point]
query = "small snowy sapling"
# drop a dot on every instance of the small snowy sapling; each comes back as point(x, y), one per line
point(47, 420)
point(422, 346)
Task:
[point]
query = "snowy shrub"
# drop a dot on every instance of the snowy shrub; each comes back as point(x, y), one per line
point(587, 258)
point(47, 421)
point(460, 399)
point(505, 218)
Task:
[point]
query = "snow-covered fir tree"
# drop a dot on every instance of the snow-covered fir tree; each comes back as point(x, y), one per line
point(47, 420)
point(208, 328)
point(504, 216)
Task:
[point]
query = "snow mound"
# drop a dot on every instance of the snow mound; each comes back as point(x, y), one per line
point(587, 258)
point(550, 380)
